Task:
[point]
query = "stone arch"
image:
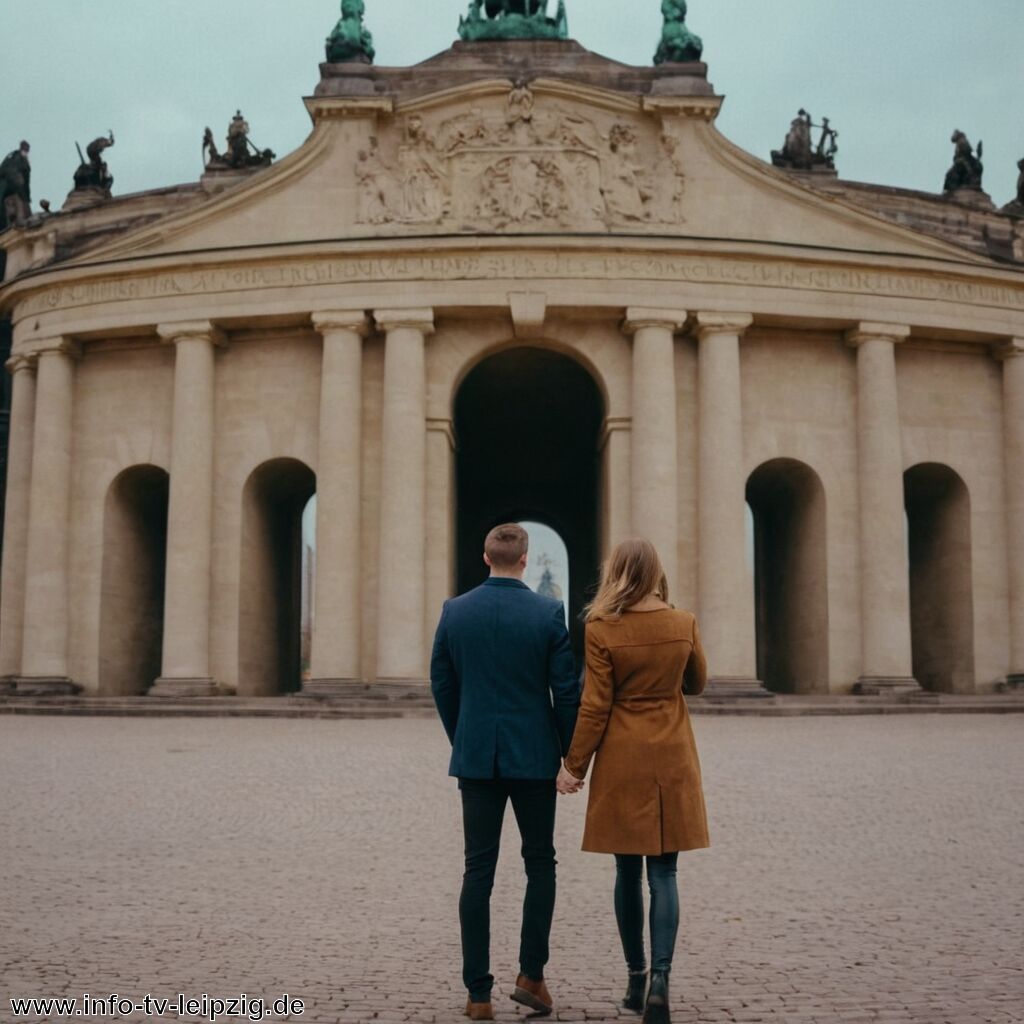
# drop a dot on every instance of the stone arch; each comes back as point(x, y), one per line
point(548, 343)
point(528, 422)
point(132, 580)
point(938, 506)
point(274, 498)
point(787, 500)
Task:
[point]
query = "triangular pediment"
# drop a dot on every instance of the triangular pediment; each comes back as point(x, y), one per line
point(496, 157)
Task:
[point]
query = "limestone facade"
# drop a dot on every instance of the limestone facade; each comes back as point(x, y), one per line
point(738, 344)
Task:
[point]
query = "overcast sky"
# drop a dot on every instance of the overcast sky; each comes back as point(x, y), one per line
point(895, 76)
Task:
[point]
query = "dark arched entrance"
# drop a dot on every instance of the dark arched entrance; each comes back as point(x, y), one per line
point(132, 587)
point(941, 588)
point(528, 423)
point(790, 576)
point(270, 605)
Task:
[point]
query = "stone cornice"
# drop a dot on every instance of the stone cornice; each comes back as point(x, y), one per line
point(354, 320)
point(191, 330)
point(639, 317)
point(420, 319)
point(865, 332)
point(1009, 349)
point(703, 108)
point(710, 325)
point(322, 108)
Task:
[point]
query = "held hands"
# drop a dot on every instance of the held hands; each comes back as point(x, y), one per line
point(567, 783)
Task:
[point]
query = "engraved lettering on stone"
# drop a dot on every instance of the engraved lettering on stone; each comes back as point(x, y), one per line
point(536, 265)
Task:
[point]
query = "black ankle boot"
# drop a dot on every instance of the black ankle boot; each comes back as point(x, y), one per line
point(635, 992)
point(656, 1011)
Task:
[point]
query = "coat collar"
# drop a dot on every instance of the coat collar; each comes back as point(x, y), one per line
point(504, 581)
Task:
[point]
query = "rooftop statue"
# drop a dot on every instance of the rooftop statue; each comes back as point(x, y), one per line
point(93, 174)
point(15, 188)
point(513, 19)
point(241, 152)
point(1016, 206)
point(678, 44)
point(799, 153)
point(967, 169)
point(350, 42)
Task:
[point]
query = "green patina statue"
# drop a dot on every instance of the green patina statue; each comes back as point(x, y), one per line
point(350, 42)
point(513, 19)
point(678, 44)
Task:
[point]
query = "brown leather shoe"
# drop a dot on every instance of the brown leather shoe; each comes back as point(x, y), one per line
point(479, 1011)
point(534, 995)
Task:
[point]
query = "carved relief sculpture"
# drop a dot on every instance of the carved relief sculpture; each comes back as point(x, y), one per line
point(527, 164)
point(626, 190)
point(421, 176)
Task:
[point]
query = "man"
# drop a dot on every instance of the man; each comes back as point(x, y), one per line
point(505, 685)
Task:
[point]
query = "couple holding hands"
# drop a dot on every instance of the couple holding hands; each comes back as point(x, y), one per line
point(507, 691)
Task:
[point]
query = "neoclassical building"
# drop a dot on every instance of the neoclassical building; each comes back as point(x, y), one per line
point(516, 281)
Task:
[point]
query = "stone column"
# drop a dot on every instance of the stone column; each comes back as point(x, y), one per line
point(335, 661)
point(440, 521)
point(616, 498)
point(186, 654)
point(44, 664)
point(886, 660)
point(725, 582)
point(1012, 356)
point(654, 448)
point(401, 609)
point(16, 515)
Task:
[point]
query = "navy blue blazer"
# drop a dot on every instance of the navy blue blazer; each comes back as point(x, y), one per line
point(504, 681)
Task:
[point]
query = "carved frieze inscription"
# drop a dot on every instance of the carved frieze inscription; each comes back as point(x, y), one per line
point(529, 164)
point(519, 265)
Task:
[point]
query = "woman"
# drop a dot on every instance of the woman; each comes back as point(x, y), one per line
point(646, 799)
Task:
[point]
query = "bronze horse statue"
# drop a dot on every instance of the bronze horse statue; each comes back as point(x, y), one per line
point(525, 7)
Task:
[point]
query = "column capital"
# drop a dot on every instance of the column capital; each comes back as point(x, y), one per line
point(52, 346)
point(1008, 349)
point(421, 319)
point(21, 361)
point(710, 324)
point(639, 317)
point(354, 320)
point(190, 330)
point(870, 331)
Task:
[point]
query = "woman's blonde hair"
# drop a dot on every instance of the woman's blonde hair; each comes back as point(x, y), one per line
point(632, 571)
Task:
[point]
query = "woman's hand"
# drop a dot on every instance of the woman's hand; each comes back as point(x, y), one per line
point(567, 783)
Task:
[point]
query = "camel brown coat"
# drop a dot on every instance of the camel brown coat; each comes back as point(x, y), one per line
point(645, 793)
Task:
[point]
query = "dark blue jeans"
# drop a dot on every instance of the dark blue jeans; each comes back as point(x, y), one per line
point(483, 810)
point(629, 909)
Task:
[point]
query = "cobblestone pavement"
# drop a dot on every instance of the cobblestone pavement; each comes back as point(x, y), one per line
point(865, 869)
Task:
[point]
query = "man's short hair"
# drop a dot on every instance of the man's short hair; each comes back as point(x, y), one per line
point(506, 545)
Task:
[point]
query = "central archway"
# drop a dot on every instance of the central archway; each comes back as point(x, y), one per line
point(528, 422)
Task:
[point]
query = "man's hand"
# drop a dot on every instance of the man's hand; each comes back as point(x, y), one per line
point(567, 783)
